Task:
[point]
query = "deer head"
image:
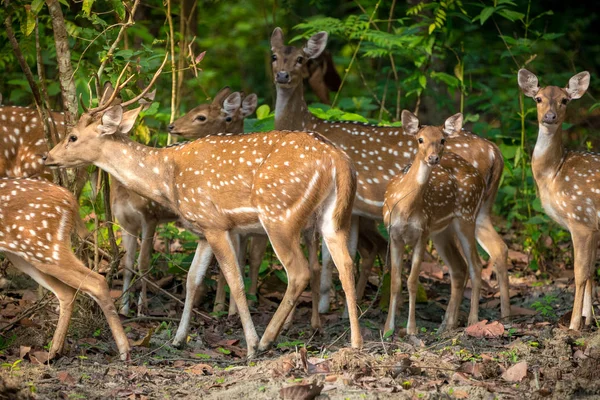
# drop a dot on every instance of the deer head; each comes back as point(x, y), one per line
point(84, 144)
point(289, 62)
point(552, 100)
point(431, 140)
point(225, 113)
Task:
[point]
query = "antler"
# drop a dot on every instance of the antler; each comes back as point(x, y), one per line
point(119, 87)
point(154, 78)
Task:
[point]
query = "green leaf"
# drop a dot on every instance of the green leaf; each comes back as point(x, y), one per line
point(263, 111)
point(119, 8)
point(281, 275)
point(423, 81)
point(387, 334)
point(431, 28)
point(36, 6)
point(593, 107)
point(224, 351)
point(29, 22)
point(87, 6)
point(552, 36)
point(486, 13)
point(446, 78)
point(511, 15)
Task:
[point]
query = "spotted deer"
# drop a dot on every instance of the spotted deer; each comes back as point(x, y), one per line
point(381, 153)
point(23, 142)
point(438, 196)
point(36, 222)
point(139, 215)
point(568, 182)
point(276, 182)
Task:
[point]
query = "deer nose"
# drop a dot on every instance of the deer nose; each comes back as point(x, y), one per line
point(171, 127)
point(44, 156)
point(283, 77)
point(434, 160)
point(550, 117)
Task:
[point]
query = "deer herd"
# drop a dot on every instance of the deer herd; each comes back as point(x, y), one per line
point(328, 183)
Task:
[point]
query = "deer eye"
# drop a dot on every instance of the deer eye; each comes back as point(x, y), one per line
point(299, 60)
point(200, 118)
point(274, 57)
point(228, 119)
point(421, 140)
point(72, 138)
point(564, 101)
point(443, 141)
point(538, 99)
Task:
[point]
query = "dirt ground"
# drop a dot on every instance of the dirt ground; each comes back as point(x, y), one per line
point(532, 355)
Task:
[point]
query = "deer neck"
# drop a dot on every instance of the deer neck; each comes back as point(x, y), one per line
point(417, 179)
point(142, 169)
point(548, 153)
point(291, 111)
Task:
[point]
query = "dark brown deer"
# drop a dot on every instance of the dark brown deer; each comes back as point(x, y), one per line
point(438, 196)
point(380, 153)
point(568, 182)
point(221, 185)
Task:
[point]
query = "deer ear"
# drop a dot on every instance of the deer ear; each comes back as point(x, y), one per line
point(111, 119)
point(528, 83)
point(129, 118)
point(276, 39)
point(147, 100)
point(232, 103)
point(315, 45)
point(410, 122)
point(578, 85)
point(220, 97)
point(249, 104)
point(453, 124)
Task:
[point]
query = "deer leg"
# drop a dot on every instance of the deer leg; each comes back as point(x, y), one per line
point(337, 243)
point(413, 283)
point(221, 295)
point(445, 244)
point(326, 280)
point(73, 273)
point(368, 254)
point(493, 244)
point(64, 293)
point(241, 244)
point(130, 244)
point(148, 229)
point(312, 244)
point(396, 252)
point(466, 236)
point(584, 244)
point(287, 247)
point(222, 246)
point(352, 245)
point(196, 274)
point(256, 253)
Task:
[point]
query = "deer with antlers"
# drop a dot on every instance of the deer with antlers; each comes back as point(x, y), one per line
point(137, 214)
point(568, 182)
point(36, 222)
point(381, 153)
point(277, 182)
point(437, 196)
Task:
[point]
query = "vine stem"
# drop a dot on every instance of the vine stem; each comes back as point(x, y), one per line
point(347, 71)
point(173, 70)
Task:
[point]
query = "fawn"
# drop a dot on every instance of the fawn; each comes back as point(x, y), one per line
point(438, 196)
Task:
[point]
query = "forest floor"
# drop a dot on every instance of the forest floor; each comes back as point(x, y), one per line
point(532, 354)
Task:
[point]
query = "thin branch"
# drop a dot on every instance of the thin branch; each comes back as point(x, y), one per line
point(173, 69)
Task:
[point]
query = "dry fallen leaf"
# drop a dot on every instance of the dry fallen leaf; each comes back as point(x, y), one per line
point(65, 377)
point(516, 373)
point(200, 369)
point(145, 341)
point(23, 351)
point(483, 329)
point(521, 311)
point(301, 392)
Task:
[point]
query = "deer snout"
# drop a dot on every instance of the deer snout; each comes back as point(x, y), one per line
point(433, 159)
point(171, 127)
point(549, 117)
point(44, 157)
point(282, 77)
